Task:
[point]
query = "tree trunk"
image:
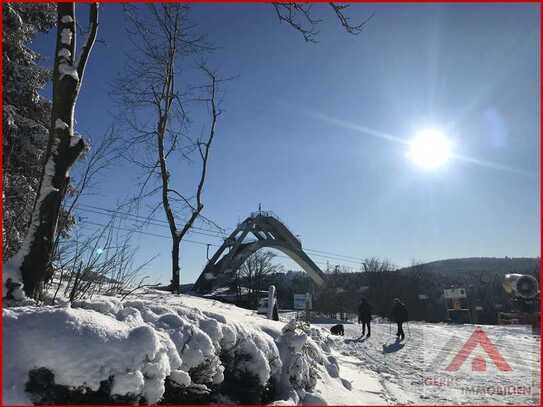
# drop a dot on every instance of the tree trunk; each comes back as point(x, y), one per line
point(63, 149)
point(175, 284)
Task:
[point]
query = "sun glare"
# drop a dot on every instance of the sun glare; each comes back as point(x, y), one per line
point(429, 149)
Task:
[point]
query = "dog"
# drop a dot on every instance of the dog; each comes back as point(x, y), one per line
point(337, 330)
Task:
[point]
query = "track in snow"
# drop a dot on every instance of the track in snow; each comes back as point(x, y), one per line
point(413, 371)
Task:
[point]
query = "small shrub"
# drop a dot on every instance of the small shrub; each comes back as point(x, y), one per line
point(43, 390)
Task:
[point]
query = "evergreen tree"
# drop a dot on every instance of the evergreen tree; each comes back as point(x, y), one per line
point(26, 115)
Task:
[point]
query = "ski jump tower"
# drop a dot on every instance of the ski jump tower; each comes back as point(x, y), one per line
point(269, 232)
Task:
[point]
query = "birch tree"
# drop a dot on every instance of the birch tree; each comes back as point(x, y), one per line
point(31, 263)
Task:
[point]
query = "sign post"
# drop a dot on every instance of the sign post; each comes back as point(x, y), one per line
point(308, 307)
point(271, 301)
point(302, 302)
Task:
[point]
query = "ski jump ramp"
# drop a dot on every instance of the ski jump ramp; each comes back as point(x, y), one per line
point(269, 232)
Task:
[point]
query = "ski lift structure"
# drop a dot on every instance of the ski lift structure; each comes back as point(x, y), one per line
point(262, 229)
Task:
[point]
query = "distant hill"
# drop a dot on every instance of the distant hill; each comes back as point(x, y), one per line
point(480, 264)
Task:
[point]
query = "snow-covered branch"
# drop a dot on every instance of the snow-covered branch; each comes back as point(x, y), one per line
point(89, 42)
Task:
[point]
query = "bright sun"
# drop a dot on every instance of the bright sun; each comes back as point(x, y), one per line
point(429, 149)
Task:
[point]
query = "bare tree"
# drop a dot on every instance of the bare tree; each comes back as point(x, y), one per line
point(64, 147)
point(97, 262)
point(151, 85)
point(254, 271)
point(375, 265)
point(300, 16)
point(102, 156)
point(160, 40)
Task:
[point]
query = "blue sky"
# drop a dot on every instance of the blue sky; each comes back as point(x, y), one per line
point(301, 124)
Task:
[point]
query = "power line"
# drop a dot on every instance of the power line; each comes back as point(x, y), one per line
point(335, 258)
point(169, 237)
point(335, 254)
point(150, 233)
point(162, 223)
point(317, 262)
point(115, 211)
point(154, 223)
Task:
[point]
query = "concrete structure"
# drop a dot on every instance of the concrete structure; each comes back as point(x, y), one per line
point(269, 232)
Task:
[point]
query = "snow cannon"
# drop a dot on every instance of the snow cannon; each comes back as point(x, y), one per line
point(524, 290)
point(521, 285)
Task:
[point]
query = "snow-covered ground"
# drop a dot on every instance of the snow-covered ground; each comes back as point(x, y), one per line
point(414, 370)
point(155, 345)
point(154, 340)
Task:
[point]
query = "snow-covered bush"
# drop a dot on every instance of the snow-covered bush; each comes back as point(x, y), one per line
point(305, 361)
point(41, 385)
point(253, 368)
point(149, 351)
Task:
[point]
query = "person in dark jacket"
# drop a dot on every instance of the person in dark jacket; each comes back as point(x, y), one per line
point(364, 316)
point(399, 315)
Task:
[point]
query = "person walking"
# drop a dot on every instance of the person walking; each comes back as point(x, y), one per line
point(364, 316)
point(399, 315)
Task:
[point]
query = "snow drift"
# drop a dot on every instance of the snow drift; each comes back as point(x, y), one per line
point(162, 348)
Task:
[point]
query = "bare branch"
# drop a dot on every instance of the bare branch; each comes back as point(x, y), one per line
point(187, 202)
point(300, 17)
point(204, 148)
point(345, 21)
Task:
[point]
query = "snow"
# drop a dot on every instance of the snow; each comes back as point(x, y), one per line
point(140, 342)
point(408, 372)
point(74, 140)
point(128, 383)
point(111, 306)
point(180, 377)
point(59, 124)
point(11, 272)
point(357, 384)
point(196, 342)
point(66, 19)
point(66, 69)
point(83, 348)
point(49, 170)
point(66, 36)
point(11, 268)
point(64, 53)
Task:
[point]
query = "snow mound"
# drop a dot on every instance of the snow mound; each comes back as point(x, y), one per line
point(83, 348)
point(12, 282)
point(164, 347)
